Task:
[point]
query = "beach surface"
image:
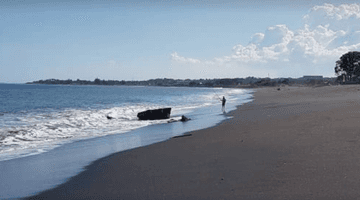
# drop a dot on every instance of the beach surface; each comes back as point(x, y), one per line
point(293, 143)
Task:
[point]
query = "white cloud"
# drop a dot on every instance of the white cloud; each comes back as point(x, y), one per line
point(328, 32)
point(176, 57)
point(343, 17)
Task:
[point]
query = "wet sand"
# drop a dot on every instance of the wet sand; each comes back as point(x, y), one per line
point(296, 143)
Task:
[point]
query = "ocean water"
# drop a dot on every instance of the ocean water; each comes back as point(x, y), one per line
point(38, 118)
point(49, 133)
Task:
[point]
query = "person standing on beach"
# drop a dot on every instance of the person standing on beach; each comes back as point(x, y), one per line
point(223, 103)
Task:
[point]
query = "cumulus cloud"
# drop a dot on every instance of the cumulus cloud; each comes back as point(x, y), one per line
point(328, 31)
point(343, 17)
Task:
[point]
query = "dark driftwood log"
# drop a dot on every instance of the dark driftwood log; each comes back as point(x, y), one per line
point(162, 113)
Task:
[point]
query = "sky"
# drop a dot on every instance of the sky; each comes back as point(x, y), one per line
point(141, 40)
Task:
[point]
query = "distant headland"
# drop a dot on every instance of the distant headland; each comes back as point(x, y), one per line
point(248, 82)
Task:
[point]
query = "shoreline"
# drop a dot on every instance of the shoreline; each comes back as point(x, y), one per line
point(55, 166)
point(297, 143)
point(90, 167)
point(88, 118)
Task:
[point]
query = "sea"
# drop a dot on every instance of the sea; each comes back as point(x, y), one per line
point(49, 133)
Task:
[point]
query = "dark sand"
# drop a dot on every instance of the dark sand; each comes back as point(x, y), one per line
point(296, 143)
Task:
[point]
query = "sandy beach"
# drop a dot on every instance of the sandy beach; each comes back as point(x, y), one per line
point(295, 143)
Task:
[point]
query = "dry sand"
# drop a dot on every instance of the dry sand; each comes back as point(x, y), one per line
point(296, 143)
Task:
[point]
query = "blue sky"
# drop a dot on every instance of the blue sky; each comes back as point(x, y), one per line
point(140, 40)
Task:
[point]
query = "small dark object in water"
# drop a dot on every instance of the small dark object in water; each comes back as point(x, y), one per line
point(278, 89)
point(184, 119)
point(107, 116)
point(13, 131)
point(185, 135)
point(162, 113)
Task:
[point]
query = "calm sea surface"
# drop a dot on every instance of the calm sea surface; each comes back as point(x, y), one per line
point(38, 118)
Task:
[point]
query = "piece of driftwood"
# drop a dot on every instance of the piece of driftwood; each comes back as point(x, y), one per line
point(162, 113)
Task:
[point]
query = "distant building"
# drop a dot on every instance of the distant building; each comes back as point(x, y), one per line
point(312, 77)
